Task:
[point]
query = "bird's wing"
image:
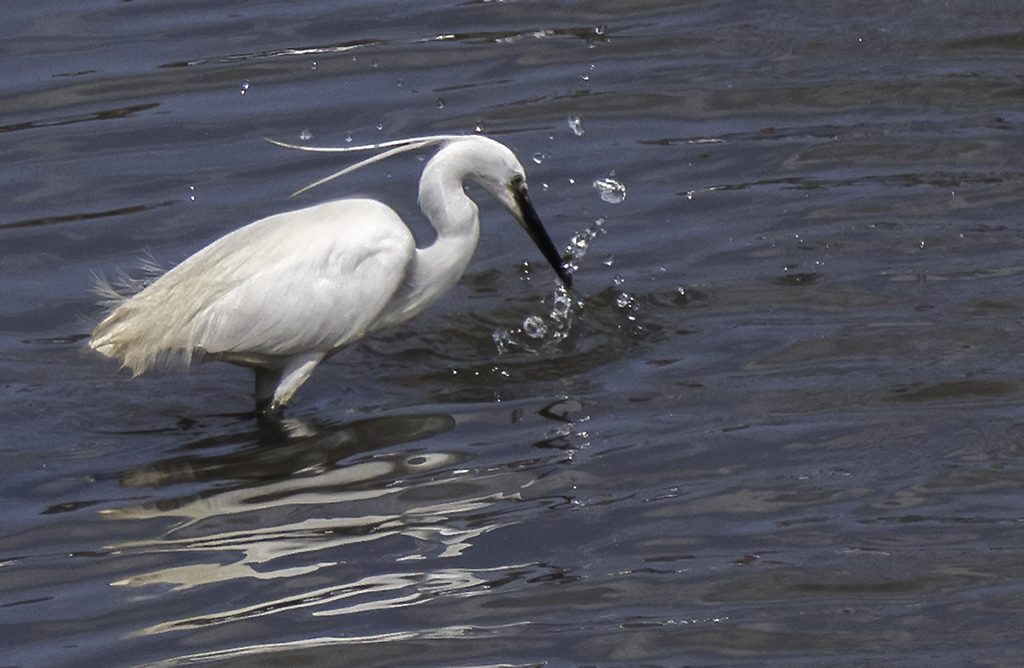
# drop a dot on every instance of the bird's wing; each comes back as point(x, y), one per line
point(317, 282)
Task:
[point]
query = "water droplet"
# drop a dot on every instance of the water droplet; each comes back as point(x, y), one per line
point(609, 261)
point(502, 339)
point(348, 138)
point(689, 194)
point(401, 82)
point(624, 300)
point(534, 327)
point(611, 190)
point(313, 66)
point(244, 87)
point(576, 125)
point(192, 195)
point(538, 158)
point(600, 30)
point(380, 126)
point(305, 135)
point(561, 306)
point(479, 128)
point(440, 103)
point(373, 63)
point(618, 280)
point(578, 247)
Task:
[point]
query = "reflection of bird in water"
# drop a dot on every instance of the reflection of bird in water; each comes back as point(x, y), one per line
point(284, 293)
point(283, 448)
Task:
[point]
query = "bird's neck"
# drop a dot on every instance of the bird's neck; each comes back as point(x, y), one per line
point(438, 267)
point(444, 201)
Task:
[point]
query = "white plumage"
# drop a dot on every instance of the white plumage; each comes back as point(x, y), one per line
point(285, 292)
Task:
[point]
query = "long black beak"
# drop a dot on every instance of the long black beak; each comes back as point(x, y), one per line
point(531, 223)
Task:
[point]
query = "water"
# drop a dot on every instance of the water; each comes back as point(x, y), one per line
point(777, 422)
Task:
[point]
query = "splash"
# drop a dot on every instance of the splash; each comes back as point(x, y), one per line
point(581, 243)
point(539, 332)
point(534, 327)
point(611, 191)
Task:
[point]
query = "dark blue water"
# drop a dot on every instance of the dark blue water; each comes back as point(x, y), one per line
point(781, 425)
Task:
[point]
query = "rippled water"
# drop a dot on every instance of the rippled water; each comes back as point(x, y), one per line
point(776, 423)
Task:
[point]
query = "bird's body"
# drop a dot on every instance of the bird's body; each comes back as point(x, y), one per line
point(285, 292)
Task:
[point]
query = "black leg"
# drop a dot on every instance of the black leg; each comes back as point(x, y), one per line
point(266, 383)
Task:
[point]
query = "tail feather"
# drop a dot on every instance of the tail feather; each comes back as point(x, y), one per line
point(112, 293)
point(123, 335)
point(117, 335)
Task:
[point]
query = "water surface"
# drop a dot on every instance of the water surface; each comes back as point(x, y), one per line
point(779, 426)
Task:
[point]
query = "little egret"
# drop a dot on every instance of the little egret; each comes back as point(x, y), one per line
point(282, 294)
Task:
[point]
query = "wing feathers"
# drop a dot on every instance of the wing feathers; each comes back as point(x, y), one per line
point(310, 279)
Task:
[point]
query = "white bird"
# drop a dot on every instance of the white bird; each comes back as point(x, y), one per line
point(284, 293)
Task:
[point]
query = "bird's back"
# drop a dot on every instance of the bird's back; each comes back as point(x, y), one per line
point(312, 279)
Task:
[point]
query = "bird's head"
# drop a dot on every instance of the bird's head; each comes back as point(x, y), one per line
point(496, 169)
